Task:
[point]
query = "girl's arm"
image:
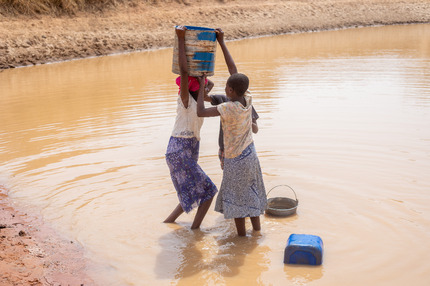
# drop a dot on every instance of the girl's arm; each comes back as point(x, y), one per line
point(208, 88)
point(254, 126)
point(227, 57)
point(201, 110)
point(183, 67)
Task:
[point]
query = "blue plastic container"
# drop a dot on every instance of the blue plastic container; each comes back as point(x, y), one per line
point(303, 249)
point(200, 49)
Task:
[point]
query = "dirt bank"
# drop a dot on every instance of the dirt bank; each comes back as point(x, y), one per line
point(31, 253)
point(35, 40)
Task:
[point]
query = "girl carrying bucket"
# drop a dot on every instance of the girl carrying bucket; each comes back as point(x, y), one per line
point(193, 186)
point(242, 193)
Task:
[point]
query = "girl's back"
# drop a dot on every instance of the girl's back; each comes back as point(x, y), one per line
point(236, 122)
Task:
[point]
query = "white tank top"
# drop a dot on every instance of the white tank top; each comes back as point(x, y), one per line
point(187, 123)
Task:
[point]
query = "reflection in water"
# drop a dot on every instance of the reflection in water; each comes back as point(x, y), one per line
point(303, 274)
point(344, 120)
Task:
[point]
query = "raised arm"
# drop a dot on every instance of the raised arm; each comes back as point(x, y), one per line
point(183, 67)
point(201, 110)
point(227, 57)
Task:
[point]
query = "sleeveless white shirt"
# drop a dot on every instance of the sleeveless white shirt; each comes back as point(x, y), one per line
point(187, 123)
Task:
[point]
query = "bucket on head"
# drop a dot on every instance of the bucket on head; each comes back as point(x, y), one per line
point(200, 49)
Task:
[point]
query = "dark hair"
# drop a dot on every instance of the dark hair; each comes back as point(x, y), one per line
point(239, 83)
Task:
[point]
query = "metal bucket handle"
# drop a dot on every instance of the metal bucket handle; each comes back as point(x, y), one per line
point(284, 186)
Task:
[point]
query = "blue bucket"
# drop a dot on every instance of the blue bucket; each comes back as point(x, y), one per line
point(200, 49)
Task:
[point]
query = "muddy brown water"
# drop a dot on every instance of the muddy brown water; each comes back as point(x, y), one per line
point(344, 120)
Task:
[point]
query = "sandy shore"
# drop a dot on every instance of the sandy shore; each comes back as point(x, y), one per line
point(31, 252)
point(28, 41)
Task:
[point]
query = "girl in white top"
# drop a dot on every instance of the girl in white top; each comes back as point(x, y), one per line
point(242, 193)
point(193, 186)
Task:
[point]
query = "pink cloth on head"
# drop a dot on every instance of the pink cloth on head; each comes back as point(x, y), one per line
point(193, 83)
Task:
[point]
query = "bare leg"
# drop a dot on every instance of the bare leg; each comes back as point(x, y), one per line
point(256, 223)
point(201, 213)
point(174, 215)
point(240, 226)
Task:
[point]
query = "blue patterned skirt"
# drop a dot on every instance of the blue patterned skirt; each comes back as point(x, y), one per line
point(191, 183)
point(242, 193)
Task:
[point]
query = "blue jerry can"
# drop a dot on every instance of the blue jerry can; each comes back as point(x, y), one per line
point(303, 249)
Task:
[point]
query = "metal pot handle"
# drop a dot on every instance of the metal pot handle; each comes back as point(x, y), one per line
point(284, 186)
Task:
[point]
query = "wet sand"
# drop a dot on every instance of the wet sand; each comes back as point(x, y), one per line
point(31, 252)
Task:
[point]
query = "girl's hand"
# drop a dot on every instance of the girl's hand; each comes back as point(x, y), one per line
point(180, 31)
point(219, 35)
point(202, 81)
point(202, 85)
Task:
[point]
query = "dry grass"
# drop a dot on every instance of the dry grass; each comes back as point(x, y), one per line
point(61, 7)
point(71, 7)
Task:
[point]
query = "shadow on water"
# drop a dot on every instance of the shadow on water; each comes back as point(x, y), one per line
point(216, 254)
point(179, 253)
